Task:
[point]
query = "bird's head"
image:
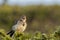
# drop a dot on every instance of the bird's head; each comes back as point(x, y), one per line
point(23, 18)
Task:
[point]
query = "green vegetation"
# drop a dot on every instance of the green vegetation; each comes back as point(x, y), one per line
point(30, 36)
point(44, 19)
point(39, 18)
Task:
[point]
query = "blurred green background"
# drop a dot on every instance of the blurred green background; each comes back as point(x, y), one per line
point(45, 19)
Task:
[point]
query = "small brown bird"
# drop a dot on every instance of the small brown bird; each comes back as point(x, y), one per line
point(19, 27)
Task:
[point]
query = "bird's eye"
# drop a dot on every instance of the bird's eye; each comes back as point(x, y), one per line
point(20, 20)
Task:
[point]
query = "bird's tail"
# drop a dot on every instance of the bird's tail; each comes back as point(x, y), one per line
point(11, 33)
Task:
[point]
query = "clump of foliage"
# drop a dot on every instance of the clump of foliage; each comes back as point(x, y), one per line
point(30, 36)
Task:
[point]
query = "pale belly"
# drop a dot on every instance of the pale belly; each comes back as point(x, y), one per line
point(19, 28)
